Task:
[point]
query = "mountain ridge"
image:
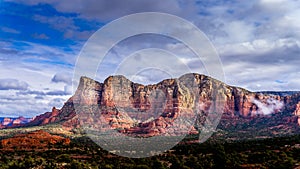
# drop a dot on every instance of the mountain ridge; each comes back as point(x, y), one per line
point(240, 105)
point(13, 121)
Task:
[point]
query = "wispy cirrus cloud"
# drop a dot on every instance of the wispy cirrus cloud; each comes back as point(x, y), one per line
point(40, 36)
point(9, 30)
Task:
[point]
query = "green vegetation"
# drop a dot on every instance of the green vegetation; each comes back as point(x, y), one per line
point(83, 153)
point(51, 128)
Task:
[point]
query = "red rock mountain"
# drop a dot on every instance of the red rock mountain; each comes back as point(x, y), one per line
point(148, 110)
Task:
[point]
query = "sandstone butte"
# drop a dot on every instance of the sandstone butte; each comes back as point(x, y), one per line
point(118, 99)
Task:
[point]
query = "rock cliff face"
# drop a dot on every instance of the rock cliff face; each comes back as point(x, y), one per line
point(141, 110)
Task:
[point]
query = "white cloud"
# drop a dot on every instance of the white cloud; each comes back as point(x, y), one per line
point(258, 46)
point(62, 77)
point(57, 102)
point(9, 30)
point(270, 107)
point(12, 84)
point(107, 10)
point(40, 36)
point(258, 42)
point(238, 31)
point(66, 25)
point(32, 72)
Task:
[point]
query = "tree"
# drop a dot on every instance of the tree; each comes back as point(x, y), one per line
point(219, 156)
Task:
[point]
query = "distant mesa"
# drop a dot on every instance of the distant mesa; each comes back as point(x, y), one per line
point(13, 122)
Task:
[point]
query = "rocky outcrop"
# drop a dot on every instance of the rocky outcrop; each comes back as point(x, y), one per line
point(65, 116)
point(140, 110)
point(296, 107)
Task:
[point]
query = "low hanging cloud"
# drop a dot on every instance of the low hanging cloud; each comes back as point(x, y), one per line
point(270, 107)
point(13, 84)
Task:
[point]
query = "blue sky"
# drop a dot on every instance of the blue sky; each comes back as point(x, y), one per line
point(258, 43)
